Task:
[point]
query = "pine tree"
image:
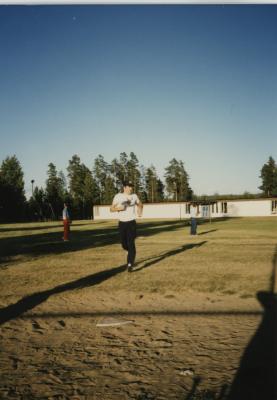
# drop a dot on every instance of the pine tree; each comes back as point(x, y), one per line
point(269, 178)
point(91, 194)
point(160, 191)
point(109, 190)
point(55, 190)
point(78, 174)
point(39, 205)
point(133, 172)
point(12, 194)
point(123, 160)
point(177, 184)
point(118, 173)
point(151, 181)
point(101, 170)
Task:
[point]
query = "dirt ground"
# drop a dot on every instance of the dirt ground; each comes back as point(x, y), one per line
point(173, 346)
point(198, 316)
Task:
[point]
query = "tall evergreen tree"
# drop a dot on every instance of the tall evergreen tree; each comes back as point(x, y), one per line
point(118, 172)
point(79, 183)
point(151, 180)
point(109, 190)
point(143, 192)
point(39, 205)
point(76, 178)
point(269, 178)
point(12, 195)
point(177, 181)
point(101, 170)
point(123, 160)
point(133, 172)
point(160, 191)
point(91, 194)
point(55, 190)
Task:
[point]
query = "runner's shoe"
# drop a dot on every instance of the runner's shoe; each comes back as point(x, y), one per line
point(129, 267)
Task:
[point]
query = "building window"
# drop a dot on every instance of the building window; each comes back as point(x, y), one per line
point(205, 211)
point(274, 206)
point(187, 208)
point(224, 207)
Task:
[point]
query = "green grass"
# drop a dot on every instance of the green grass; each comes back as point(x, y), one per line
point(233, 256)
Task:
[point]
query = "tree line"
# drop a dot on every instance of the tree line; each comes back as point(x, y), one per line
point(83, 187)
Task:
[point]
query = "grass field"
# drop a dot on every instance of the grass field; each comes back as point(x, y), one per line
point(44, 280)
point(232, 256)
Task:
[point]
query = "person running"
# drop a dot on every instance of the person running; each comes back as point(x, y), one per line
point(66, 223)
point(124, 204)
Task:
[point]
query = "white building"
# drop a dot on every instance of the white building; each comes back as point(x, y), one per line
point(181, 210)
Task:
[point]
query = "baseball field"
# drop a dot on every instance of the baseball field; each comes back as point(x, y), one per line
point(196, 319)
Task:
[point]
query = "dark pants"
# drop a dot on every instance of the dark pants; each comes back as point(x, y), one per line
point(193, 226)
point(128, 233)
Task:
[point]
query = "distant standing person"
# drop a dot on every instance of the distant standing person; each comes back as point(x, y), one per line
point(66, 223)
point(193, 219)
point(125, 205)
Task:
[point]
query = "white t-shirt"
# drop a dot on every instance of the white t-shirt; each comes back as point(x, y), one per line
point(193, 212)
point(129, 202)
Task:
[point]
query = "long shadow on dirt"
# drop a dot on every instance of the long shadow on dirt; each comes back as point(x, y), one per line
point(29, 302)
point(256, 374)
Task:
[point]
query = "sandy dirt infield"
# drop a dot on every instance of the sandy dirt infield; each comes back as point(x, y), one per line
point(173, 348)
point(194, 331)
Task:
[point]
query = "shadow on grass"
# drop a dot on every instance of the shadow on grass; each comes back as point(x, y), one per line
point(29, 302)
point(170, 253)
point(51, 242)
point(36, 228)
point(256, 375)
point(206, 232)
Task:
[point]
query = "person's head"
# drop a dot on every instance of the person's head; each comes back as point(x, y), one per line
point(128, 187)
point(65, 204)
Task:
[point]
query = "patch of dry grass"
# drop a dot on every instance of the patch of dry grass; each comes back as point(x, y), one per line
point(227, 257)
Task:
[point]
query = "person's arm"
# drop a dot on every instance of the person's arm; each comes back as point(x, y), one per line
point(115, 208)
point(140, 207)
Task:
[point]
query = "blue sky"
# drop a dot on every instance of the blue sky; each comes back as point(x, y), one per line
point(194, 82)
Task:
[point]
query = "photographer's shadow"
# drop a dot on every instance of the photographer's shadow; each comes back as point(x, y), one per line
point(256, 376)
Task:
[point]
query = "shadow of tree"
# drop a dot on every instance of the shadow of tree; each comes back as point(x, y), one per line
point(25, 227)
point(51, 242)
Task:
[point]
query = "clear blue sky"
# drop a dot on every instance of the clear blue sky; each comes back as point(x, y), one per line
point(194, 82)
